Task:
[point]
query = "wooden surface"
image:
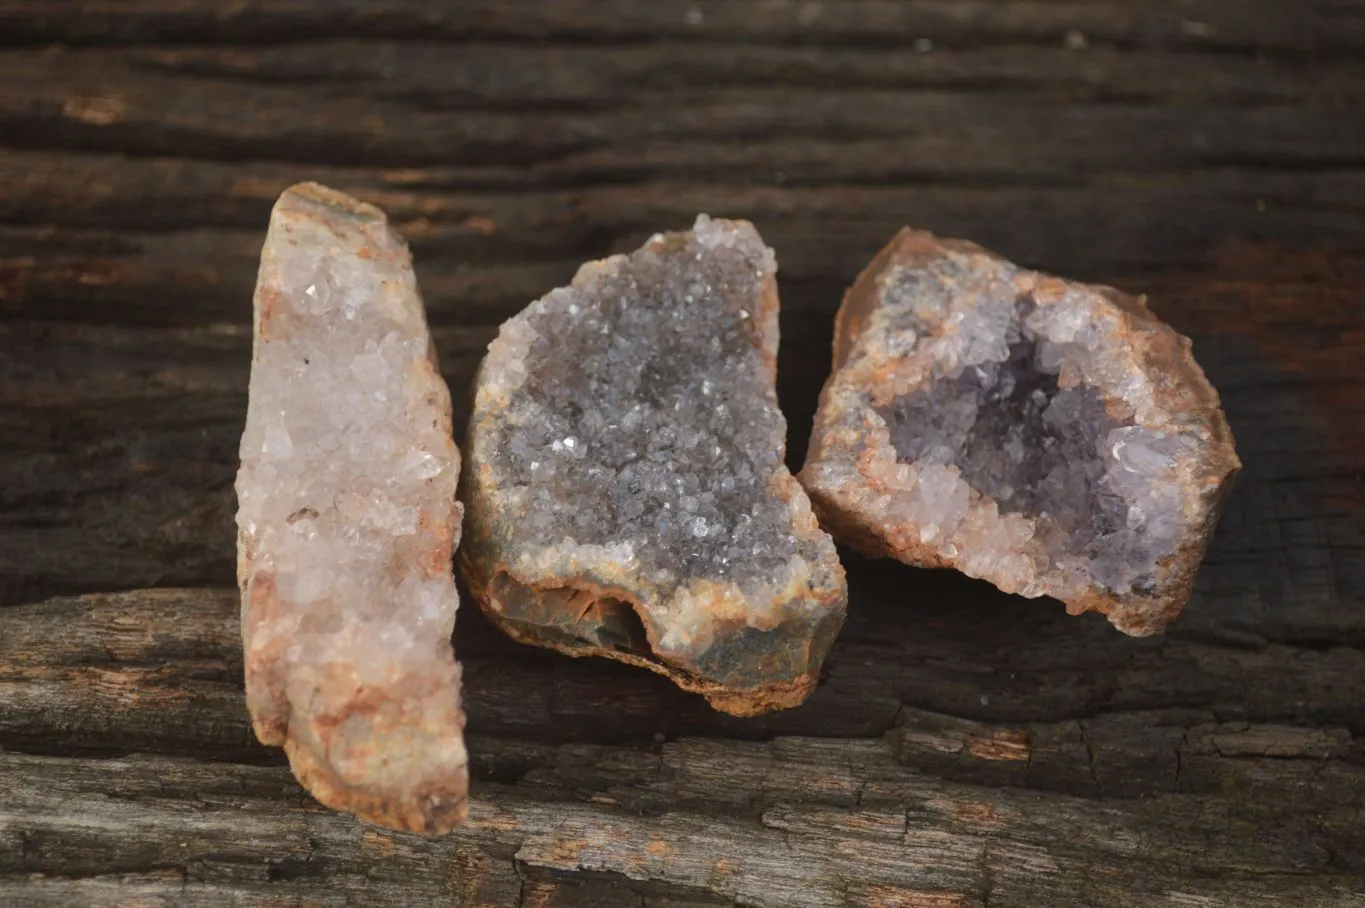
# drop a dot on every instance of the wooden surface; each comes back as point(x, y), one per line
point(965, 748)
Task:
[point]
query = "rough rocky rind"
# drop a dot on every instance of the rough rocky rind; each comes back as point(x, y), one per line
point(904, 311)
point(656, 371)
point(348, 521)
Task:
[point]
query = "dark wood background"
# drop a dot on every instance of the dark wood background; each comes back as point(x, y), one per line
point(965, 748)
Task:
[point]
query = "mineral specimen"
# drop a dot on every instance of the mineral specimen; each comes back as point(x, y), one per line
point(1050, 437)
point(348, 521)
point(626, 492)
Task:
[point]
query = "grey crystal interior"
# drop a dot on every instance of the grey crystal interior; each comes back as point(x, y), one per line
point(1042, 451)
point(647, 419)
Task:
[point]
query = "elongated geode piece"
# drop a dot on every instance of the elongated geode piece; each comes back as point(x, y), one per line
point(1050, 437)
point(626, 492)
point(348, 521)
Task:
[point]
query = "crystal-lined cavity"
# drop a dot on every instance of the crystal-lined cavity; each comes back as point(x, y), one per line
point(627, 444)
point(1052, 438)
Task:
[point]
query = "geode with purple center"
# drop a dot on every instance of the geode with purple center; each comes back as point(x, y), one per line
point(1050, 437)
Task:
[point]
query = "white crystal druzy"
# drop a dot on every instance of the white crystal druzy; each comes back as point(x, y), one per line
point(347, 520)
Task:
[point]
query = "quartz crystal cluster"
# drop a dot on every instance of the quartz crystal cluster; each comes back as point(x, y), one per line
point(626, 491)
point(348, 521)
point(1052, 438)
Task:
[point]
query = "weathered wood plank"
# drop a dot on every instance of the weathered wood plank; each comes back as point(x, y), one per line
point(667, 817)
point(1023, 701)
point(196, 276)
point(106, 100)
point(64, 205)
point(1214, 24)
point(480, 75)
point(510, 217)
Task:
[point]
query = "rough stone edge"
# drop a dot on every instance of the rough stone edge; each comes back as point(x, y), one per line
point(747, 702)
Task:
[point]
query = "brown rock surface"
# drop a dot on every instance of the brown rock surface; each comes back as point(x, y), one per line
point(347, 521)
point(1050, 437)
point(627, 495)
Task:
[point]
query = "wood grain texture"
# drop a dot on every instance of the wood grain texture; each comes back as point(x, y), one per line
point(1187, 801)
point(964, 748)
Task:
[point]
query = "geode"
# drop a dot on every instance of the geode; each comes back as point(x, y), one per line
point(627, 495)
point(348, 521)
point(1050, 437)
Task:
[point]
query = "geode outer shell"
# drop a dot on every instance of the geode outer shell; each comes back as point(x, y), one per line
point(347, 521)
point(626, 492)
point(1050, 437)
